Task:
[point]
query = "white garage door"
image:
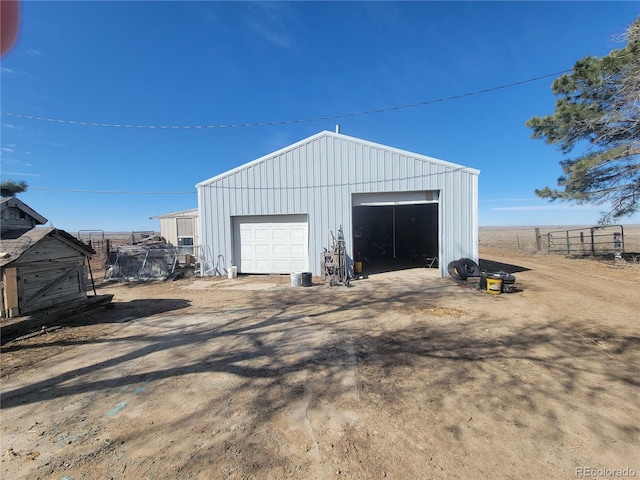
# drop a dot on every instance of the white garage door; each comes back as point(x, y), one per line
point(271, 244)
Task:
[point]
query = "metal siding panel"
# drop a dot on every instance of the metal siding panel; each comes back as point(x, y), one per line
point(273, 172)
point(243, 193)
point(371, 166)
point(325, 164)
point(250, 191)
point(360, 172)
point(314, 167)
point(388, 169)
point(274, 187)
point(404, 182)
point(395, 171)
point(382, 170)
point(262, 207)
point(218, 246)
point(287, 200)
point(231, 187)
point(411, 174)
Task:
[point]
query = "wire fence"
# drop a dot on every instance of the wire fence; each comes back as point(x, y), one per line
point(587, 240)
point(143, 262)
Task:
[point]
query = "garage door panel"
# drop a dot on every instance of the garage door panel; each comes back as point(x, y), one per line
point(271, 244)
point(281, 265)
point(260, 265)
point(246, 231)
point(298, 249)
point(280, 249)
point(260, 234)
point(260, 249)
point(298, 234)
point(279, 234)
point(250, 265)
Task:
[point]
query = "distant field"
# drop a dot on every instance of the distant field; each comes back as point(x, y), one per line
point(516, 238)
point(118, 237)
point(523, 239)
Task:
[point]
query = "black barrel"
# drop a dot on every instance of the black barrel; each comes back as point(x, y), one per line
point(508, 281)
point(306, 279)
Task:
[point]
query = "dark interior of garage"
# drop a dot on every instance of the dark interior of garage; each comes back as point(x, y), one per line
point(388, 238)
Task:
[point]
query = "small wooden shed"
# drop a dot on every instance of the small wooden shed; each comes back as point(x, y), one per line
point(41, 268)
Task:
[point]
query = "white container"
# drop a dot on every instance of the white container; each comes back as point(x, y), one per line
point(296, 279)
point(233, 272)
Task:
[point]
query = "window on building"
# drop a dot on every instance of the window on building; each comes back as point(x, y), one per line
point(185, 245)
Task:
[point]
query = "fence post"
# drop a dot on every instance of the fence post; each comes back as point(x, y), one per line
point(617, 245)
point(538, 240)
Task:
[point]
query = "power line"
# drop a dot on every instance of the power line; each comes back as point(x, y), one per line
point(255, 188)
point(249, 188)
point(285, 122)
point(108, 192)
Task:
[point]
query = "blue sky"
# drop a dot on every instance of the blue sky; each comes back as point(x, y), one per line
point(222, 63)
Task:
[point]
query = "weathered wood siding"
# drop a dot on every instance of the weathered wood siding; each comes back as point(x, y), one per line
point(51, 273)
point(10, 291)
point(13, 218)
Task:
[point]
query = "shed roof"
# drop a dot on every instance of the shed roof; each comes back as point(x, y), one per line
point(327, 133)
point(16, 242)
point(6, 202)
point(192, 212)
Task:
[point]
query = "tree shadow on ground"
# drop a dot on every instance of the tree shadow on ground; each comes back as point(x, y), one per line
point(118, 312)
point(254, 333)
point(279, 356)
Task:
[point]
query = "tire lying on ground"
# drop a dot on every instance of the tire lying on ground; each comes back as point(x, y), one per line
point(453, 271)
point(466, 267)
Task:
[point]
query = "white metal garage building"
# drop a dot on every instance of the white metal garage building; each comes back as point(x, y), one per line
point(275, 214)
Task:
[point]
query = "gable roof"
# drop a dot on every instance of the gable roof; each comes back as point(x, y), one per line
point(15, 243)
point(339, 136)
point(7, 202)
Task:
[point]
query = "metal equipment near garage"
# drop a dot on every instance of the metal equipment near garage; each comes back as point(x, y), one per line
point(334, 262)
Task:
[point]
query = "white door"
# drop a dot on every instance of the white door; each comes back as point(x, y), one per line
point(271, 243)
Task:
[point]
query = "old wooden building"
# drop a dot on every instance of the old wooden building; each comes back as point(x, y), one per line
point(41, 268)
point(17, 215)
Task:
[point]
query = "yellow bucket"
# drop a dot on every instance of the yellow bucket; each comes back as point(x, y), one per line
point(494, 285)
point(357, 268)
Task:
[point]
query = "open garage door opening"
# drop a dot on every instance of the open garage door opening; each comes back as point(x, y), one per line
point(395, 237)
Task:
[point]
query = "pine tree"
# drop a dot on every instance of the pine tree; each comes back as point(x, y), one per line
point(9, 188)
point(597, 116)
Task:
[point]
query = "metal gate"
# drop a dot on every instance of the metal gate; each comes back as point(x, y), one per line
point(102, 246)
point(587, 241)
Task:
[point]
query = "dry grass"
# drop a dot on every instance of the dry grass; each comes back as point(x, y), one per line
point(523, 239)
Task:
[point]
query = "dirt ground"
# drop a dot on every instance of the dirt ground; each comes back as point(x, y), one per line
point(404, 375)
